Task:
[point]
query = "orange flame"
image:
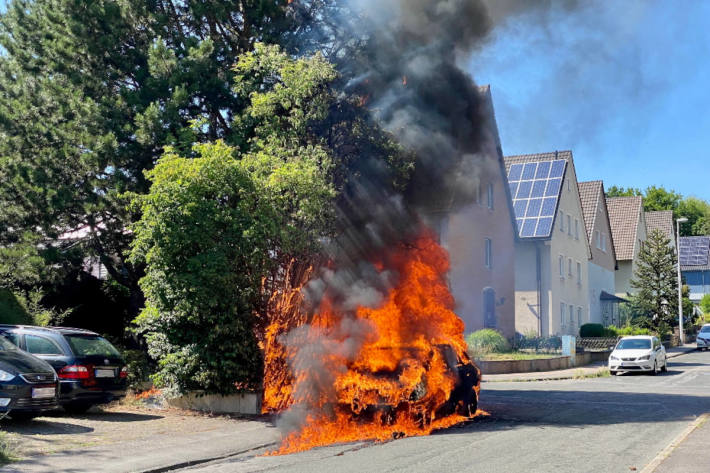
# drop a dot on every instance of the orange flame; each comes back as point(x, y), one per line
point(398, 379)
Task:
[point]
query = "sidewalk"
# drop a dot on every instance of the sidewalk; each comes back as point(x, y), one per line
point(576, 372)
point(160, 453)
point(685, 453)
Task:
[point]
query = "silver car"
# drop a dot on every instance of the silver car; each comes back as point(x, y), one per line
point(703, 338)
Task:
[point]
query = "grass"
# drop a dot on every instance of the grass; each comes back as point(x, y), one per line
point(7, 453)
point(515, 355)
point(600, 373)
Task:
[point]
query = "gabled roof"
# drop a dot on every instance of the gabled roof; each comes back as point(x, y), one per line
point(694, 253)
point(589, 193)
point(535, 182)
point(624, 216)
point(661, 220)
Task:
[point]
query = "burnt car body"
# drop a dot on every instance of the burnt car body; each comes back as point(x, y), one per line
point(389, 394)
point(28, 385)
point(90, 370)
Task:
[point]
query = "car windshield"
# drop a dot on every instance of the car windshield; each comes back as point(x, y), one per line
point(6, 345)
point(705, 329)
point(634, 344)
point(87, 345)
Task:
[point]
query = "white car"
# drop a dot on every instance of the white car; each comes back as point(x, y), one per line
point(703, 338)
point(638, 353)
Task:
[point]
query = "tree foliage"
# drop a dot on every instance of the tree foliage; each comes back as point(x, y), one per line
point(705, 304)
point(220, 221)
point(655, 279)
point(93, 92)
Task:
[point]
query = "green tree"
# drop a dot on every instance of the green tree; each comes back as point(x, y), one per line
point(220, 223)
point(697, 211)
point(656, 283)
point(705, 304)
point(658, 198)
point(616, 191)
point(93, 92)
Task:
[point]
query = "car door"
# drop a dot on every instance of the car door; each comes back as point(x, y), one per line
point(46, 349)
point(658, 354)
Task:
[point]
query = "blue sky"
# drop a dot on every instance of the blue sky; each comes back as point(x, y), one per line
point(624, 85)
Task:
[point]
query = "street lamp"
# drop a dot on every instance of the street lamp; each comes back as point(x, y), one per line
point(680, 281)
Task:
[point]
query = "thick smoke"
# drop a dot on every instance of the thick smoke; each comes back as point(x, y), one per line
point(407, 66)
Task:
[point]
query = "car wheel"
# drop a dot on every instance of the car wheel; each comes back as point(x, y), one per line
point(613, 373)
point(77, 407)
point(665, 366)
point(23, 415)
point(654, 372)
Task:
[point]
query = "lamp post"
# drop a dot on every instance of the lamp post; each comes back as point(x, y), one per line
point(680, 281)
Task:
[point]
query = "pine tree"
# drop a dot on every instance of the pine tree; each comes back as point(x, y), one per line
point(655, 278)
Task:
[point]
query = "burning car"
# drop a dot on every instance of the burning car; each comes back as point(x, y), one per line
point(408, 388)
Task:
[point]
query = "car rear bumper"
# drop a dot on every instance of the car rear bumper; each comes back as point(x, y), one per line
point(73, 391)
point(21, 399)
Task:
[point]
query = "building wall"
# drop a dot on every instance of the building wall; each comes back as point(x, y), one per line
point(601, 268)
point(569, 240)
point(465, 239)
point(600, 279)
point(698, 282)
point(623, 278)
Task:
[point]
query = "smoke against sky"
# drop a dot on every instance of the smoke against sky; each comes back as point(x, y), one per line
point(622, 84)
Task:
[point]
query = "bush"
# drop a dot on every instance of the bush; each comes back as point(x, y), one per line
point(591, 330)
point(486, 341)
point(613, 331)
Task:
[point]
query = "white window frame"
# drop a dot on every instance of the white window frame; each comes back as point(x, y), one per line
point(571, 316)
point(563, 314)
point(569, 225)
point(488, 253)
point(603, 248)
point(579, 273)
point(490, 195)
point(576, 229)
point(569, 267)
point(597, 239)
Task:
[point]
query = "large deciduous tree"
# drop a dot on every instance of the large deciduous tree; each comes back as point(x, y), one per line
point(92, 91)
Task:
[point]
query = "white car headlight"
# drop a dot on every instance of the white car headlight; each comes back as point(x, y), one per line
point(643, 358)
point(5, 376)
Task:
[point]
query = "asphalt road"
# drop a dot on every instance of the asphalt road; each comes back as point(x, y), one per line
point(616, 424)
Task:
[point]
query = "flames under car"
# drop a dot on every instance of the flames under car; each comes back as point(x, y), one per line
point(409, 390)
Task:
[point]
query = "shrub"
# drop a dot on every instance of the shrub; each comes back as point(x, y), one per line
point(613, 331)
point(591, 330)
point(486, 341)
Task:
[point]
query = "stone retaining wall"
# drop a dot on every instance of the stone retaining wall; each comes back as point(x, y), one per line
point(242, 403)
point(543, 364)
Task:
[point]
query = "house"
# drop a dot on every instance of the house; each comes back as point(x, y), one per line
point(662, 220)
point(480, 238)
point(552, 250)
point(695, 265)
point(603, 304)
point(628, 232)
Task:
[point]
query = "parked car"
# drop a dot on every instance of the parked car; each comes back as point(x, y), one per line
point(703, 338)
point(90, 370)
point(638, 353)
point(28, 385)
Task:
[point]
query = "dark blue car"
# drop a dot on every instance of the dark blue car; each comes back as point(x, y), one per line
point(90, 370)
point(28, 385)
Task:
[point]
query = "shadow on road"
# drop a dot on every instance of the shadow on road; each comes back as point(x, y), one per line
point(580, 408)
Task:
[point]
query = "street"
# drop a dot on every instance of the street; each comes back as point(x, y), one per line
point(608, 424)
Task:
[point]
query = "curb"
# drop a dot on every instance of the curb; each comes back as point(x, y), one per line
point(189, 463)
point(568, 376)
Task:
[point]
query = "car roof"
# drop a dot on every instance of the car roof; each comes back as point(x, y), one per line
point(62, 330)
point(642, 337)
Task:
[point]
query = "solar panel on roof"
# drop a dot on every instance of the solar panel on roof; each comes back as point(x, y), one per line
point(535, 189)
point(694, 251)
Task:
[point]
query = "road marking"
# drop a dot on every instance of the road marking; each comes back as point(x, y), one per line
point(666, 452)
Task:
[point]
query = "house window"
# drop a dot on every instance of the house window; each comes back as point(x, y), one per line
point(571, 317)
point(579, 316)
point(603, 248)
point(576, 229)
point(597, 239)
point(490, 196)
point(579, 273)
point(569, 266)
point(562, 266)
point(562, 221)
point(563, 307)
point(489, 253)
point(569, 225)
